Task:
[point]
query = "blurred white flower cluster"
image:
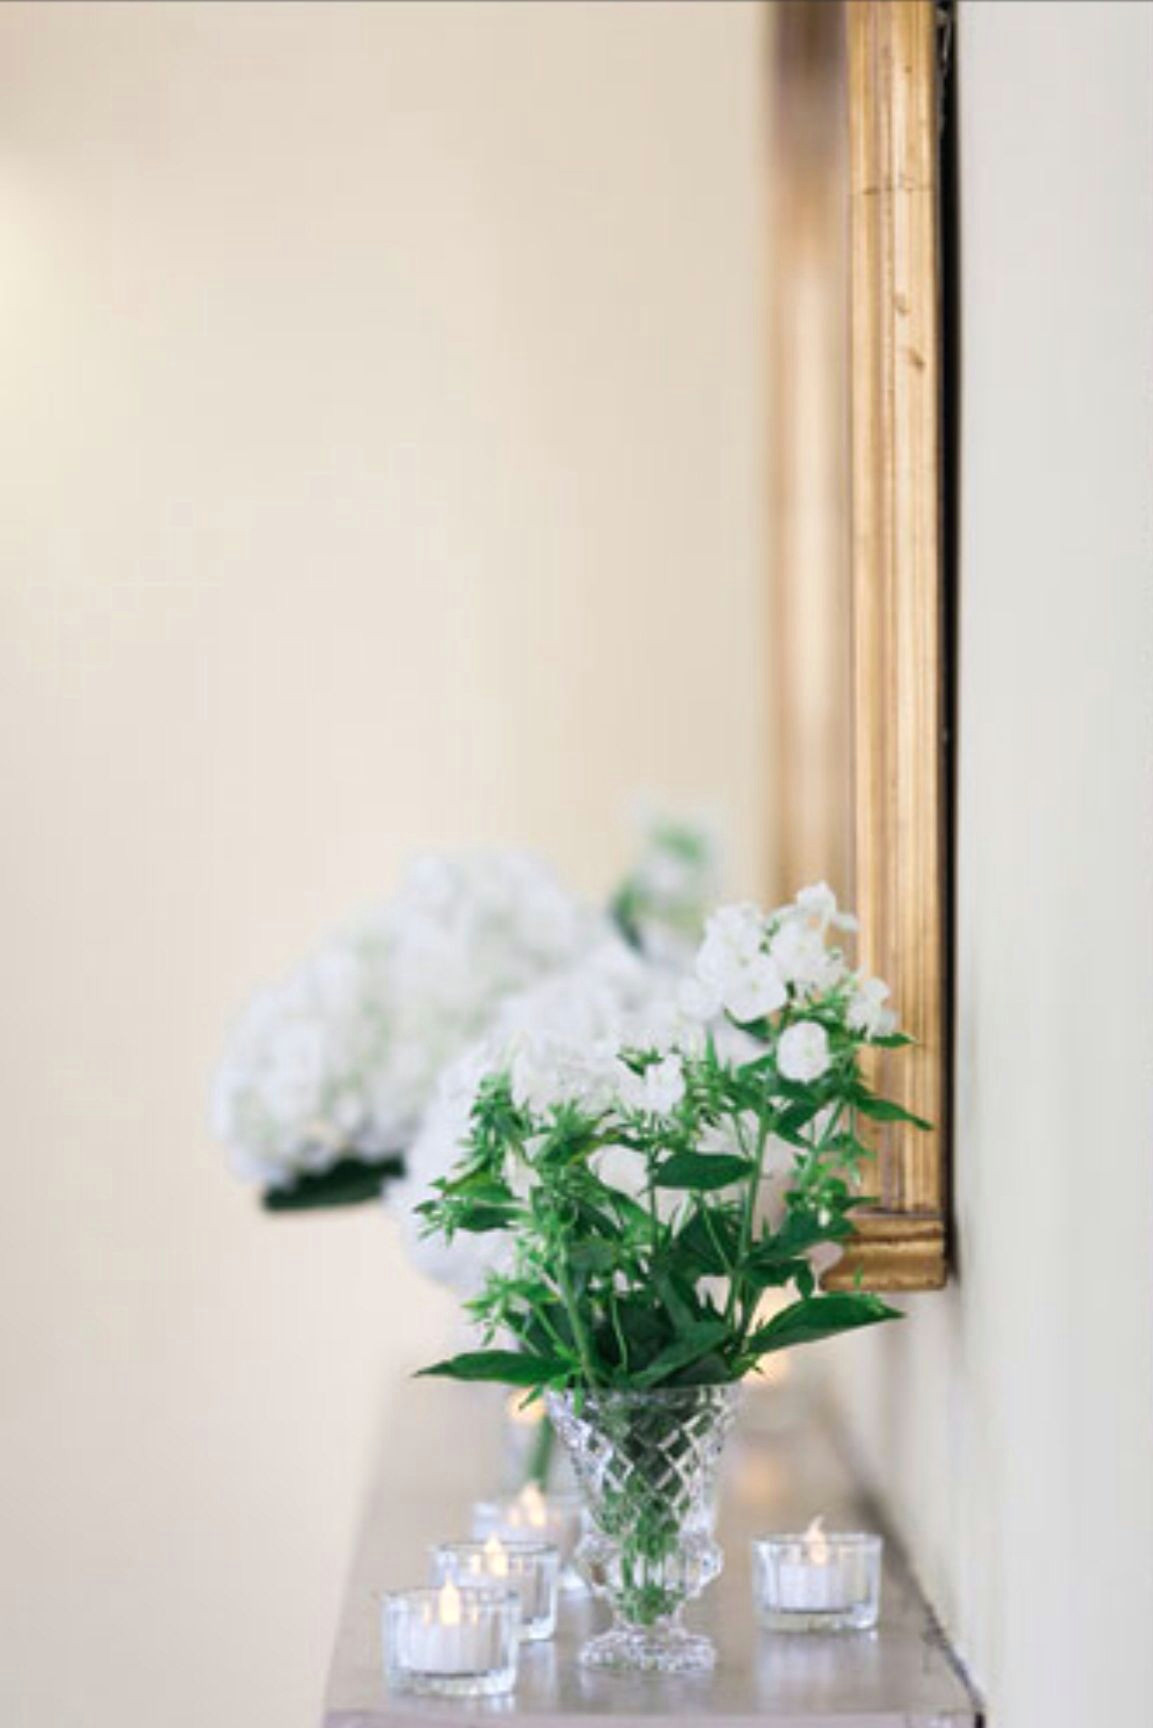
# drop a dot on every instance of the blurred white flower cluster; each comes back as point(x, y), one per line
point(340, 1059)
point(560, 1039)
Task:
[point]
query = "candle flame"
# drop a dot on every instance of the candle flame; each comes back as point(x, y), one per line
point(531, 1508)
point(448, 1604)
point(522, 1414)
point(496, 1559)
point(816, 1545)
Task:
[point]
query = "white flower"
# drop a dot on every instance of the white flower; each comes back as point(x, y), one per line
point(733, 933)
point(295, 1091)
point(819, 904)
point(867, 1012)
point(533, 1077)
point(755, 989)
point(803, 1051)
point(697, 1001)
point(462, 1263)
point(802, 958)
point(732, 969)
point(561, 1039)
point(548, 1070)
point(657, 1091)
point(621, 1168)
point(340, 1060)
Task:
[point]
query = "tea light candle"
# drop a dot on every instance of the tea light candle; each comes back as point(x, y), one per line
point(555, 1518)
point(817, 1582)
point(459, 1643)
point(529, 1569)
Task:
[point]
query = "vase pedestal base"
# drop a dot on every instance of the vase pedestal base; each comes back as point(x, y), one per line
point(649, 1650)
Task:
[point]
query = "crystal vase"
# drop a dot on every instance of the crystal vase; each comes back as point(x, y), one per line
point(646, 1464)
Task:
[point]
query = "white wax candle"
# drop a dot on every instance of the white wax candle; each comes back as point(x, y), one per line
point(806, 1587)
point(447, 1640)
point(817, 1580)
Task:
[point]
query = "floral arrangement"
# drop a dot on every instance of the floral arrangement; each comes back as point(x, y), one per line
point(641, 1184)
point(328, 1073)
point(649, 1188)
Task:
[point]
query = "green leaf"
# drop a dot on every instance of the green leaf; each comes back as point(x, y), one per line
point(479, 1219)
point(678, 1298)
point(509, 1367)
point(800, 1230)
point(595, 1255)
point(628, 1212)
point(884, 1110)
point(595, 1219)
point(702, 1171)
point(893, 1041)
point(688, 1347)
point(646, 1330)
point(817, 1317)
point(711, 1370)
point(707, 1242)
point(350, 1182)
point(790, 1122)
point(767, 1272)
point(476, 1183)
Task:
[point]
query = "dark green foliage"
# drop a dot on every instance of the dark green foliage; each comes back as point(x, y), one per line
point(347, 1183)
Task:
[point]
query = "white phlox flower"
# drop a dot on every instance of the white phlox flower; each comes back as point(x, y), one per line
point(657, 1090)
point(818, 903)
point(733, 971)
point(803, 1051)
point(867, 1012)
point(803, 960)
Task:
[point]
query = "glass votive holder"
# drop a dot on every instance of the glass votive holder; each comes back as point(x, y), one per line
point(817, 1583)
point(536, 1517)
point(529, 1569)
point(451, 1642)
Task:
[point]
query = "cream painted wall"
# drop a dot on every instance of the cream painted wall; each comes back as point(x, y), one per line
point(380, 467)
point(1009, 1422)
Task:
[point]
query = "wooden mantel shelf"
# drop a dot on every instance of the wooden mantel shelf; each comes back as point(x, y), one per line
point(438, 1457)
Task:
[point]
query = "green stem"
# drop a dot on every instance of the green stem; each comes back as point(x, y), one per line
point(652, 1200)
point(580, 1336)
point(560, 1343)
point(704, 1213)
point(736, 1283)
point(615, 1318)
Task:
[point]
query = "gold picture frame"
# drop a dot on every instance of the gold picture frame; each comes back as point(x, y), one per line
point(883, 717)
